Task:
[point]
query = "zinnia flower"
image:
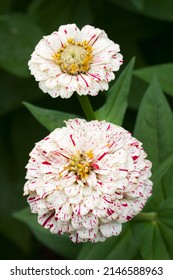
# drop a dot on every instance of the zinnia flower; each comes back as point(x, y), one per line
point(72, 60)
point(86, 179)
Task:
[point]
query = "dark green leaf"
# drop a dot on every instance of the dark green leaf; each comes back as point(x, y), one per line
point(60, 12)
point(154, 237)
point(121, 247)
point(158, 9)
point(168, 183)
point(50, 119)
point(166, 223)
point(116, 103)
point(154, 128)
point(14, 90)
point(16, 232)
point(139, 4)
point(60, 244)
point(154, 125)
point(153, 8)
point(138, 87)
point(19, 36)
point(10, 199)
point(166, 212)
point(162, 169)
point(167, 234)
point(150, 241)
point(5, 6)
point(163, 73)
point(125, 4)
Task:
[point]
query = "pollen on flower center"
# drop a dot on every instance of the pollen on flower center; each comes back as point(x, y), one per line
point(80, 164)
point(74, 58)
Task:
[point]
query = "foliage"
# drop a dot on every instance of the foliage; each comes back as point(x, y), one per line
point(140, 99)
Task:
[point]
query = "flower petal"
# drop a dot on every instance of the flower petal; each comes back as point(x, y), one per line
point(86, 179)
point(53, 68)
point(110, 229)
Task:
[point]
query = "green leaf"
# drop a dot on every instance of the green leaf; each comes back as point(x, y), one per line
point(10, 194)
point(116, 103)
point(150, 241)
point(157, 233)
point(167, 234)
point(153, 8)
point(162, 169)
point(19, 36)
point(60, 244)
point(13, 90)
point(60, 12)
point(166, 212)
point(50, 119)
point(158, 9)
point(125, 4)
point(163, 73)
point(20, 235)
point(137, 89)
point(5, 5)
point(154, 125)
point(139, 4)
point(166, 223)
point(154, 128)
point(121, 247)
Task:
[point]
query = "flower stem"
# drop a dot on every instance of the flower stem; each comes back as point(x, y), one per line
point(86, 106)
point(144, 216)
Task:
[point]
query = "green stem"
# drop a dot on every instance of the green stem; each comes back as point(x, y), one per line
point(143, 216)
point(86, 106)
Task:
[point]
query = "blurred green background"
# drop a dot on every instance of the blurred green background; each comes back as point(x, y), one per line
point(142, 28)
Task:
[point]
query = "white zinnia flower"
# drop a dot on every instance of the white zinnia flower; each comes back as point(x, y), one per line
point(86, 179)
point(72, 60)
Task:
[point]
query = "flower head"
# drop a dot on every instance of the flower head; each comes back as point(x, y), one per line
point(86, 179)
point(72, 60)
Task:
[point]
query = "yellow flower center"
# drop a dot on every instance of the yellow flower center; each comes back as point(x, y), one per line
point(74, 58)
point(80, 164)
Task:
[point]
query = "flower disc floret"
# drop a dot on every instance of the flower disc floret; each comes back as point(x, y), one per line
point(87, 179)
point(80, 164)
point(72, 60)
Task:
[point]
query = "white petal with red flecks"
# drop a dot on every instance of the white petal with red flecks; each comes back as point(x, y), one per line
point(91, 209)
point(111, 229)
point(55, 82)
point(64, 212)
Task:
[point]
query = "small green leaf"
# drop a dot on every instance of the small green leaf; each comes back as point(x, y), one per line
point(19, 36)
point(60, 244)
point(50, 119)
point(120, 247)
point(163, 72)
point(116, 103)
